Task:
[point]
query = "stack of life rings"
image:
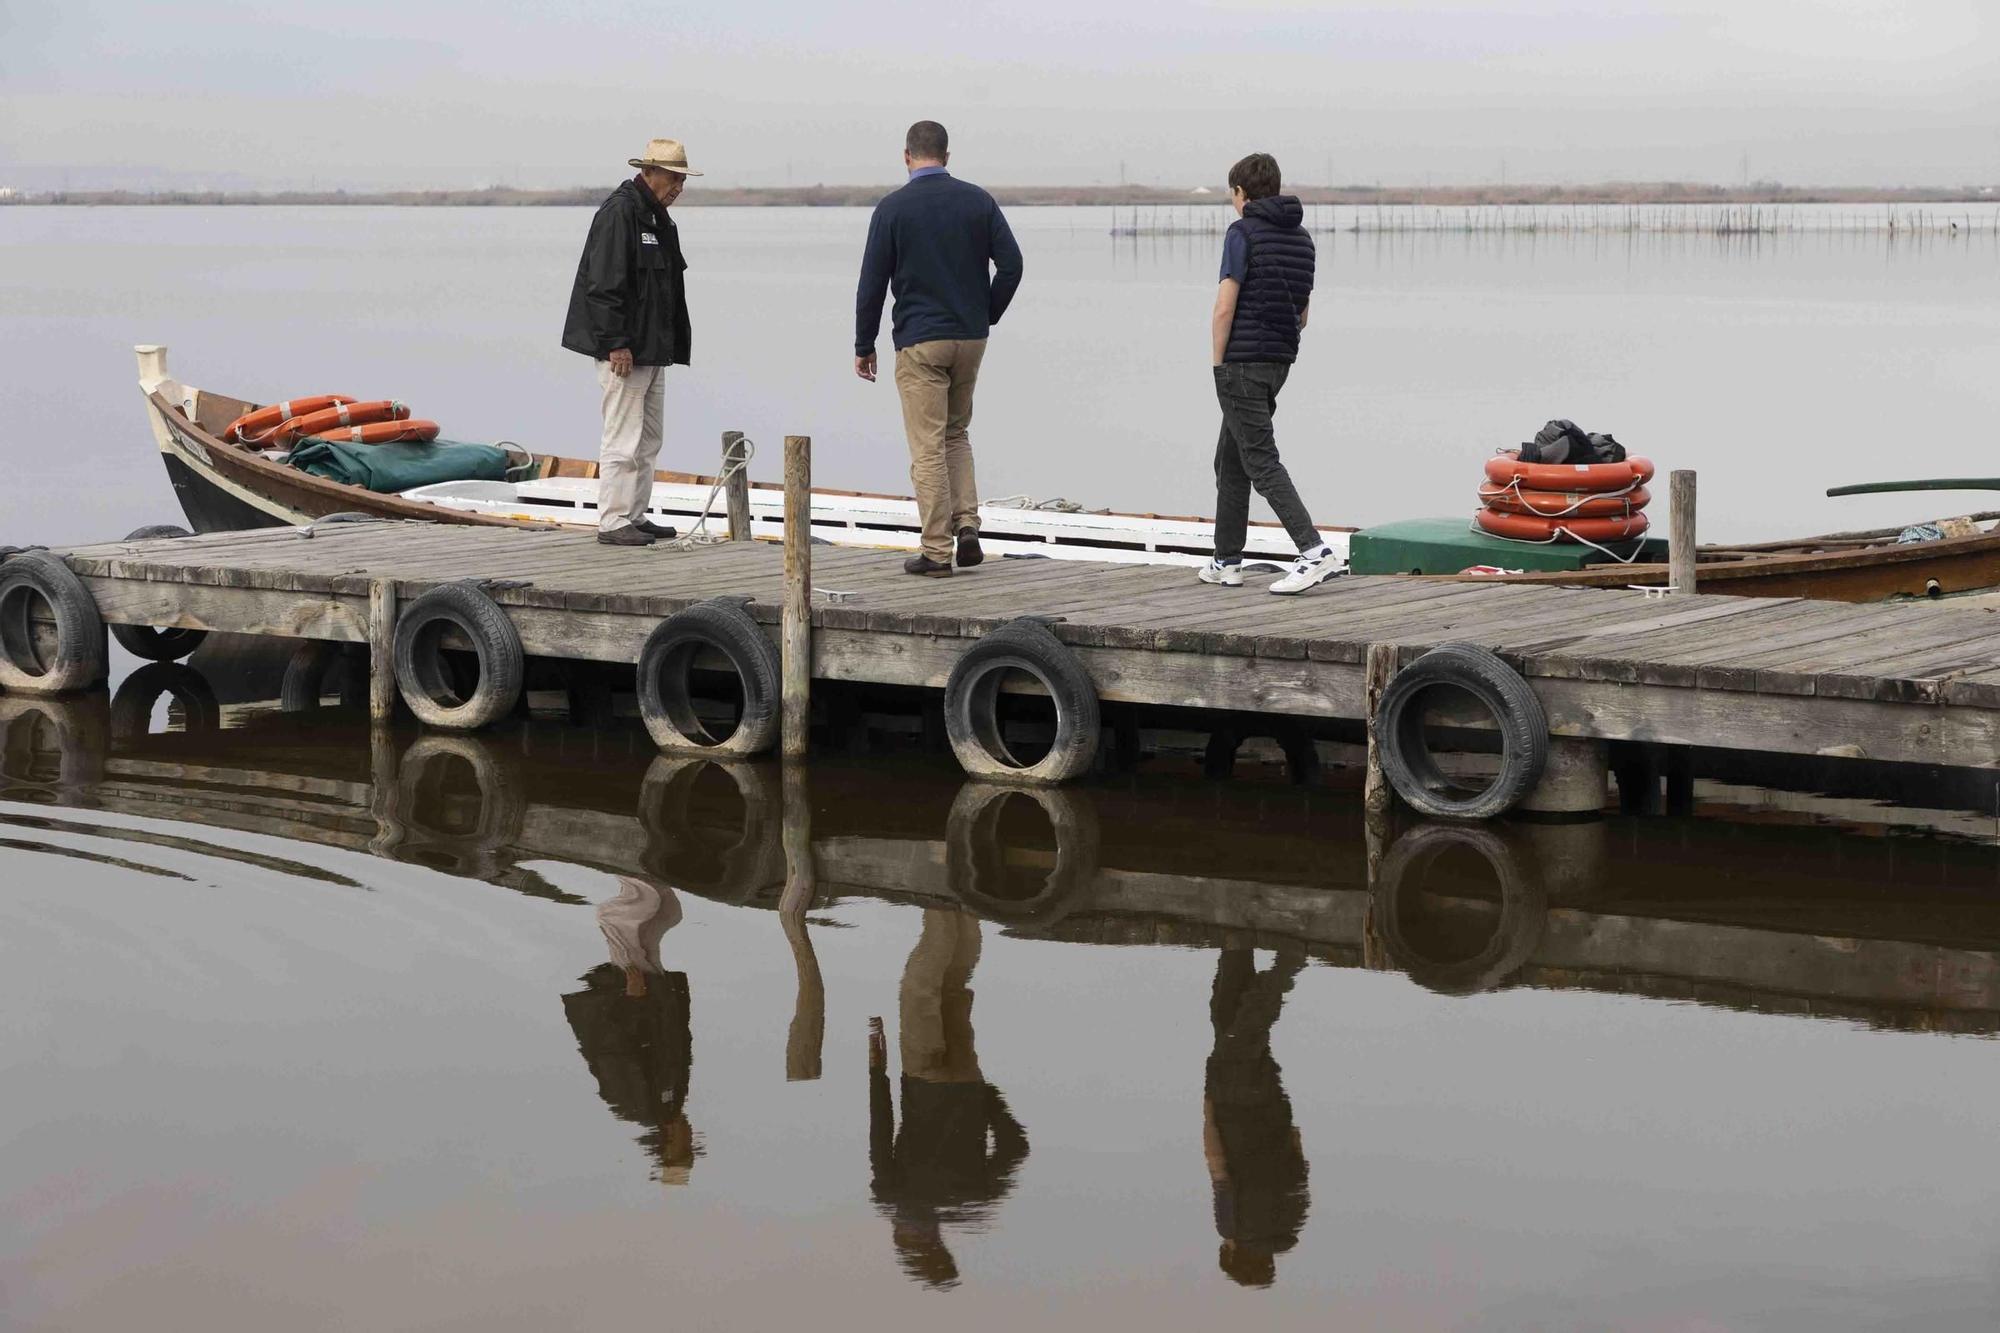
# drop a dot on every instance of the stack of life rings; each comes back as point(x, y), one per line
point(329, 417)
point(1563, 502)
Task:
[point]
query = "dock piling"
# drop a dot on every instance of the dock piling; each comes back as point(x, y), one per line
point(381, 650)
point(1381, 665)
point(736, 485)
point(796, 640)
point(1680, 538)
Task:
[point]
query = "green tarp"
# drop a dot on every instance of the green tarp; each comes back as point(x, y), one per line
point(389, 468)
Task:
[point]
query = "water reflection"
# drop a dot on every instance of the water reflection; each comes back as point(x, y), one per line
point(632, 1023)
point(1776, 919)
point(1256, 1160)
point(954, 1156)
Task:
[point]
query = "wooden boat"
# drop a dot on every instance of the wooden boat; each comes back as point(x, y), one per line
point(1863, 566)
point(224, 486)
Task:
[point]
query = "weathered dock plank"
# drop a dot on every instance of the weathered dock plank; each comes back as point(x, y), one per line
point(1918, 682)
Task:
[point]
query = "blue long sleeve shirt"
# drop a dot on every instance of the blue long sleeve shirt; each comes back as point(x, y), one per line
point(944, 248)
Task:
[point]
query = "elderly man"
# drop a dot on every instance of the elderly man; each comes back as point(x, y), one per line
point(932, 241)
point(628, 312)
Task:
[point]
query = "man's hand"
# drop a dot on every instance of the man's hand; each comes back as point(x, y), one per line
point(864, 366)
point(621, 362)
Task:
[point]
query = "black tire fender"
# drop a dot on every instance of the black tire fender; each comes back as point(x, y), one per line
point(722, 625)
point(307, 669)
point(976, 861)
point(972, 694)
point(1413, 770)
point(157, 645)
point(424, 675)
point(132, 705)
point(744, 864)
point(1396, 904)
point(37, 657)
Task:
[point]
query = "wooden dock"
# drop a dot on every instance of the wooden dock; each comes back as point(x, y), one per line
point(1903, 682)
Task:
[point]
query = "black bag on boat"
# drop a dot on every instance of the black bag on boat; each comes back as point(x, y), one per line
point(1563, 441)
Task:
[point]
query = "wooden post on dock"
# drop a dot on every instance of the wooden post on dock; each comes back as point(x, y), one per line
point(737, 487)
point(1680, 539)
point(381, 650)
point(1381, 665)
point(796, 694)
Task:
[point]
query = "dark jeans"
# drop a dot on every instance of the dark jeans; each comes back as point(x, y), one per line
point(1246, 455)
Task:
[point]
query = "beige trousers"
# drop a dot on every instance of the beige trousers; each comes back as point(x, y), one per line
point(634, 409)
point(936, 999)
point(935, 381)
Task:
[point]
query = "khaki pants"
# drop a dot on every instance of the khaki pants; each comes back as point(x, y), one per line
point(935, 381)
point(634, 409)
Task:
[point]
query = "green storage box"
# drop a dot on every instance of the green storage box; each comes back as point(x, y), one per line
point(1448, 545)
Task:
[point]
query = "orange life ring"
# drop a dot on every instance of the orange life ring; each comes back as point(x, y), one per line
point(1506, 468)
point(255, 427)
point(1564, 504)
point(381, 432)
point(1533, 528)
point(315, 425)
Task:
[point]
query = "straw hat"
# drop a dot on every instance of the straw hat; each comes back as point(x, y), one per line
point(667, 155)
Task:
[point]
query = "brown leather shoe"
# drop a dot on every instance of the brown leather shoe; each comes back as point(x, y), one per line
point(924, 565)
point(969, 553)
point(624, 537)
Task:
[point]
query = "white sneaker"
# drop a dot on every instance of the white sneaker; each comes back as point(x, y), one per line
point(1310, 570)
point(1228, 576)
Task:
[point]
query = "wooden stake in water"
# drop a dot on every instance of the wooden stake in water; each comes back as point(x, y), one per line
point(806, 1038)
point(796, 641)
point(1680, 538)
point(737, 488)
point(381, 650)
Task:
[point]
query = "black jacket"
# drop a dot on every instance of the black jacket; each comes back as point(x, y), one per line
point(1279, 284)
point(630, 292)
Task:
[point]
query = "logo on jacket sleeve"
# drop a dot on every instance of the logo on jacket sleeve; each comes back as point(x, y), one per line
point(647, 238)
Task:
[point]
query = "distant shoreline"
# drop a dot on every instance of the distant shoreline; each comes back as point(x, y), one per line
point(850, 196)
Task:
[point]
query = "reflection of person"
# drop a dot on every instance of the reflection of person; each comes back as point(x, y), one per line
point(628, 313)
point(631, 1023)
point(1255, 1160)
point(956, 1152)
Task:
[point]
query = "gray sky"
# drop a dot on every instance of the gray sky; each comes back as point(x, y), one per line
point(369, 93)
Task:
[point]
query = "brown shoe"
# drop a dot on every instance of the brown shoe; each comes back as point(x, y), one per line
point(969, 553)
point(924, 565)
point(624, 537)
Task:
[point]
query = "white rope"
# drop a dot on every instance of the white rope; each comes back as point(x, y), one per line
point(736, 460)
point(1059, 505)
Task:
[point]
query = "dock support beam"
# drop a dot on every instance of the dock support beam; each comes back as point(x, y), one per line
point(796, 641)
point(736, 486)
point(1575, 780)
point(381, 650)
point(1680, 536)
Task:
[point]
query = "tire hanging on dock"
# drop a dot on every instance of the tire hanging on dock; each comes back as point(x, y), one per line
point(51, 635)
point(157, 645)
point(425, 675)
point(140, 693)
point(665, 680)
point(972, 696)
point(1407, 760)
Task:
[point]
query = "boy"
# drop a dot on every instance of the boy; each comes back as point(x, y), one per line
point(1260, 308)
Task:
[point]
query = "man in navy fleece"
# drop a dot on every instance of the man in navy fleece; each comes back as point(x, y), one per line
point(932, 242)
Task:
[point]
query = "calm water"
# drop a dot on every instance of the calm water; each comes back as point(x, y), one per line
point(524, 1031)
point(305, 1029)
point(1774, 366)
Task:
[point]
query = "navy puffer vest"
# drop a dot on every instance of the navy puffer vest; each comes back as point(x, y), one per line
point(1277, 285)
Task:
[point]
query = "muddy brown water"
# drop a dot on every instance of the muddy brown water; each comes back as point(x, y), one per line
point(312, 1029)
